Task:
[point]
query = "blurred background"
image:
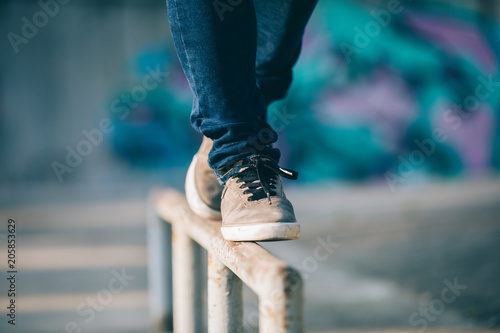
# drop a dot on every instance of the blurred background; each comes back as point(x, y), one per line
point(392, 122)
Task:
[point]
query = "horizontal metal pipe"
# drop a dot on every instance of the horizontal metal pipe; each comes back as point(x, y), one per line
point(278, 285)
point(254, 265)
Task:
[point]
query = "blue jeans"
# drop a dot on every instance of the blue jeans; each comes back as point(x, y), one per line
point(238, 57)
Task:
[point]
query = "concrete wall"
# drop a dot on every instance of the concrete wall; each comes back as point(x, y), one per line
point(60, 81)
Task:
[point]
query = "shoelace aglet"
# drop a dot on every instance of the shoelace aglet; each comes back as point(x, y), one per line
point(269, 197)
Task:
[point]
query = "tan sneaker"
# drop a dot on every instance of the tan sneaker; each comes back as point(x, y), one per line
point(254, 206)
point(203, 191)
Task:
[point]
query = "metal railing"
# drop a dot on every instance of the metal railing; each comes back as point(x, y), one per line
point(175, 274)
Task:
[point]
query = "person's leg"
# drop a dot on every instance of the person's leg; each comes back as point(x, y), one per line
point(280, 25)
point(217, 48)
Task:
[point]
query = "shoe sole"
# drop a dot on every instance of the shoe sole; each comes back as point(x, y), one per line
point(193, 198)
point(268, 231)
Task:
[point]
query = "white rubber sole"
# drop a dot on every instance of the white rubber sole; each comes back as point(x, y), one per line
point(193, 198)
point(268, 231)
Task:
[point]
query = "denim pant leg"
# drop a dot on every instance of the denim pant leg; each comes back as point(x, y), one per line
point(216, 43)
point(280, 26)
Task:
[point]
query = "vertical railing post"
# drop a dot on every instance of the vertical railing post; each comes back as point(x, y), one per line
point(159, 237)
point(187, 274)
point(225, 304)
point(278, 285)
point(280, 304)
